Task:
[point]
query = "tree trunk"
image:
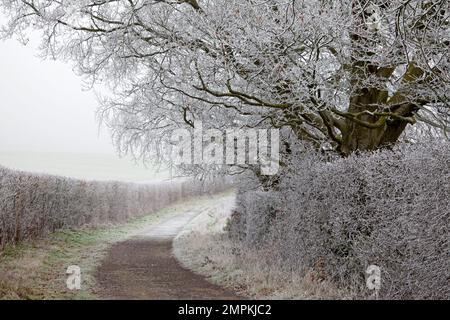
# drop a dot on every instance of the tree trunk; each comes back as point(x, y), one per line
point(357, 137)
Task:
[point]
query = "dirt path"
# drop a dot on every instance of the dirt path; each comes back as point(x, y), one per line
point(144, 267)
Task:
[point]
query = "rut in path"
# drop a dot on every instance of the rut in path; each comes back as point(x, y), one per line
point(144, 267)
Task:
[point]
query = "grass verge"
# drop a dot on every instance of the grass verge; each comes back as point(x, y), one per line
point(205, 248)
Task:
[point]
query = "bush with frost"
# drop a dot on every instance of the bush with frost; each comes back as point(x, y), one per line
point(388, 208)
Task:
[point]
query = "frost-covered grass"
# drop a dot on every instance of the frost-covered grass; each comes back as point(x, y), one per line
point(205, 247)
point(36, 269)
point(317, 234)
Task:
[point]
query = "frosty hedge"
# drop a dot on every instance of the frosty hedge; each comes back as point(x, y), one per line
point(390, 209)
point(33, 205)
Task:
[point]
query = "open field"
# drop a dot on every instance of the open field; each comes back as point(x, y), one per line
point(82, 166)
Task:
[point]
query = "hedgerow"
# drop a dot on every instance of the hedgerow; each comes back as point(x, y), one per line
point(388, 208)
point(33, 205)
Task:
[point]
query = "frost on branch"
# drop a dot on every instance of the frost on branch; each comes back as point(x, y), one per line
point(343, 75)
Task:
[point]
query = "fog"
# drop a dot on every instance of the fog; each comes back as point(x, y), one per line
point(43, 105)
point(48, 123)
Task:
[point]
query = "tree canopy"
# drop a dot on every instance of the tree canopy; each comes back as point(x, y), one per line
point(344, 75)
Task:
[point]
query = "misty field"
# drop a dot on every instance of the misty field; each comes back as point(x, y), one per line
point(83, 166)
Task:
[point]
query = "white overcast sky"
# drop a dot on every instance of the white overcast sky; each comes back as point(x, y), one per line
point(43, 106)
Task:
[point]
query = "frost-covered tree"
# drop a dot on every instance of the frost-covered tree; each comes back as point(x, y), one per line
point(345, 75)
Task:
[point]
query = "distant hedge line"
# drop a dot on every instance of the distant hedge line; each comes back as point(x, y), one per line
point(32, 205)
point(390, 209)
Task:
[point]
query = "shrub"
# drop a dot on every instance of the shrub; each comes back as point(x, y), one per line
point(388, 208)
